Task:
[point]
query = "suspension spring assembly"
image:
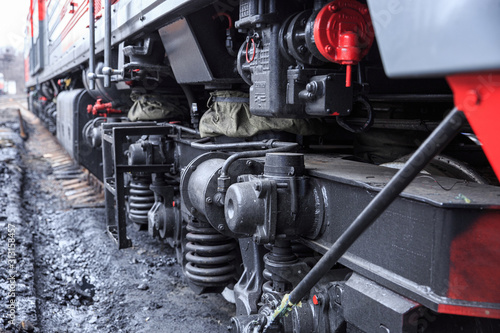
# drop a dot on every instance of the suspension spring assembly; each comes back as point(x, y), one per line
point(141, 199)
point(210, 256)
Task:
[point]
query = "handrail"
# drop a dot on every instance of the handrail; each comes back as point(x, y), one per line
point(91, 75)
point(107, 41)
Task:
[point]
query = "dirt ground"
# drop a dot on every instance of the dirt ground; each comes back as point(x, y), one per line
point(69, 275)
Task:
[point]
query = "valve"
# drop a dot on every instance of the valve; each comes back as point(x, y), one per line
point(340, 32)
point(343, 33)
point(102, 108)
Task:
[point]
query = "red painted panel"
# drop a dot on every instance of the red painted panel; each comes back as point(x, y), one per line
point(478, 95)
point(468, 311)
point(31, 17)
point(76, 27)
point(475, 265)
point(41, 10)
point(97, 8)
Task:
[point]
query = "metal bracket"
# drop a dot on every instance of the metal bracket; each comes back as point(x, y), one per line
point(115, 167)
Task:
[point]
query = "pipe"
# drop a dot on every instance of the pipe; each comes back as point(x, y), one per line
point(107, 41)
point(275, 146)
point(266, 144)
point(412, 98)
point(238, 145)
point(55, 87)
point(272, 6)
point(91, 73)
point(181, 128)
point(434, 144)
point(222, 180)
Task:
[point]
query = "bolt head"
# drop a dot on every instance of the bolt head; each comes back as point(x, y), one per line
point(472, 98)
point(333, 8)
point(208, 200)
point(338, 294)
point(220, 227)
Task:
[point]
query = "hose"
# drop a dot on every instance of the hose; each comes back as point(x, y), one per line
point(275, 146)
point(366, 125)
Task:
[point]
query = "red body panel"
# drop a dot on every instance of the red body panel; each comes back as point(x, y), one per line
point(478, 95)
point(77, 26)
point(474, 267)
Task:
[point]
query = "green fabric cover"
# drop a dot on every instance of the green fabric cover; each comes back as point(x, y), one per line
point(234, 119)
point(153, 107)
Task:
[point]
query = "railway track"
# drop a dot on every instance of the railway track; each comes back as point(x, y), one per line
point(81, 189)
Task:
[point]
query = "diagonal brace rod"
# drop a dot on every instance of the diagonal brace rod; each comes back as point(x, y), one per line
point(434, 144)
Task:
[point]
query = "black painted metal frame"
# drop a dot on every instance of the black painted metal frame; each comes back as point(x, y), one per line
point(115, 166)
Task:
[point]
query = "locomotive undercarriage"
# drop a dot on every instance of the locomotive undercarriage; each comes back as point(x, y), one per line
point(298, 137)
point(286, 210)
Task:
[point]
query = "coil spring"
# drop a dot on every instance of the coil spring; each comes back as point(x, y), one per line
point(210, 256)
point(141, 200)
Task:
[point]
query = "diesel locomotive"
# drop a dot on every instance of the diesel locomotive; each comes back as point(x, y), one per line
point(328, 166)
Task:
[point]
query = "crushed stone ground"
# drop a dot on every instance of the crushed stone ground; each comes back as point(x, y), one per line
point(71, 277)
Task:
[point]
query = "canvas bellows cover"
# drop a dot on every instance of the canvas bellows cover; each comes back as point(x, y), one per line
point(153, 107)
point(229, 115)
